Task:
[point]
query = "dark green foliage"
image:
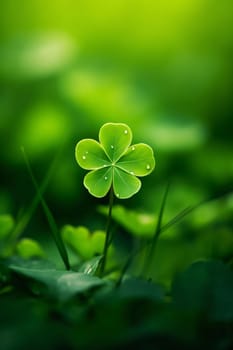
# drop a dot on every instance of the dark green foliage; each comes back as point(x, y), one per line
point(188, 308)
point(164, 68)
point(197, 314)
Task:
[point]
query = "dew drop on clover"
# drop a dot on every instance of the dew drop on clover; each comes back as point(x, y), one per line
point(126, 131)
point(84, 157)
point(148, 166)
point(112, 146)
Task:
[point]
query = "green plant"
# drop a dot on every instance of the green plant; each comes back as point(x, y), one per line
point(149, 281)
point(113, 162)
point(114, 165)
point(10, 245)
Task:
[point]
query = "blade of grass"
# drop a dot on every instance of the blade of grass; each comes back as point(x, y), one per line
point(54, 230)
point(156, 234)
point(190, 209)
point(125, 267)
point(26, 214)
point(177, 218)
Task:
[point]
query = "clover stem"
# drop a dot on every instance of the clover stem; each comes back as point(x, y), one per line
point(108, 236)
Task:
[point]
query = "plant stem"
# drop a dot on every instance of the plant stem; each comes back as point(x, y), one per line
point(156, 234)
point(108, 236)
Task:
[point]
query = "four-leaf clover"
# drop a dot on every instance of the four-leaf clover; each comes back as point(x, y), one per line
point(113, 162)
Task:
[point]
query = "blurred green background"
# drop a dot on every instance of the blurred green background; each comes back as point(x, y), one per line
point(162, 67)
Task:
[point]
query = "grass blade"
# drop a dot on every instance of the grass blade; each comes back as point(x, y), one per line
point(177, 218)
point(26, 215)
point(54, 230)
point(157, 232)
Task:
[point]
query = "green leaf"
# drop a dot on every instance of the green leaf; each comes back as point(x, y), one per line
point(113, 163)
point(115, 138)
point(125, 185)
point(83, 242)
point(138, 160)
point(6, 225)
point(28, 248)
point(138, 223)
point(78, 238)
point(98, 239)
point(62, 285)
point(90, 155)
point(98, 182)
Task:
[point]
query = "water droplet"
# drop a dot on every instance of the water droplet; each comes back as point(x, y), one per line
point(133, 148)
point(112, 146)
point(86, 152)
point(126, 131)
point(105, 165)
point(131, 172)
point(105, 178)
point(84, 157)
point(148, 166)
point(118, 195)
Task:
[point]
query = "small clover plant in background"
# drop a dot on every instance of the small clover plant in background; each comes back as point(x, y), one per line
point(115, 166)
point(114, 162)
